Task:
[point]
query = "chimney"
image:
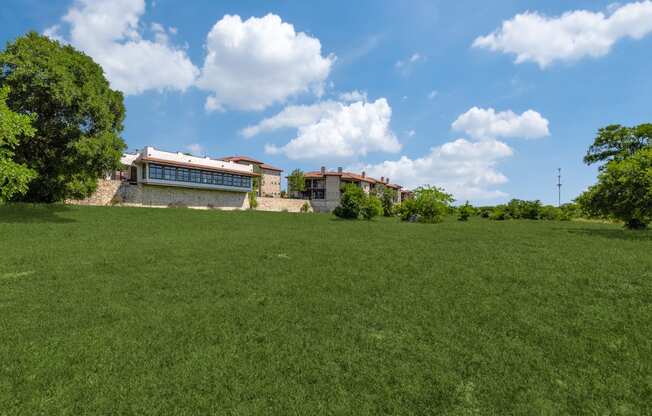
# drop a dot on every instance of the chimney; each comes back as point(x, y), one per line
point(382, 179)
point(323, 170)
point(339, 170)
point(364, 174)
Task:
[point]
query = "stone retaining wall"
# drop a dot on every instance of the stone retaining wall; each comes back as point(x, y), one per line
point(113, 192)
point(104, 195)
point(281, 204)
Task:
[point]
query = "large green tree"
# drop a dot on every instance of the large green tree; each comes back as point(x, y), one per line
point(616, 142)
point(77, 117)
point(14, 177)
point(623, 191)
point(296, 182)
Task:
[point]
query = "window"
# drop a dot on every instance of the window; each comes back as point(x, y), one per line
point(174, 174)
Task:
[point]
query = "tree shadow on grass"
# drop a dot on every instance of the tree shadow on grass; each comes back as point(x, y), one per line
point(34, 213)
point(617, 234)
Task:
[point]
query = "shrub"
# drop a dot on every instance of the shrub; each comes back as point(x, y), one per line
point(253, 202)
point(485, 212)
point(305, 207)
point(570, 211)
point(465, 211)
point(550, 213)
point(351, 203)
point(429, 205)
point(499, 213)
point(372, 207)
point(387, 198)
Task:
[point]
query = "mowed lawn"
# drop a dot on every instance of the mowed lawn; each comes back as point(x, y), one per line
point(173, 311)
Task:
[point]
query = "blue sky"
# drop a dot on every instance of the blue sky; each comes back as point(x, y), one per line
point(488, 122)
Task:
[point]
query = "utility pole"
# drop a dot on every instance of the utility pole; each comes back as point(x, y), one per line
point(559, 187)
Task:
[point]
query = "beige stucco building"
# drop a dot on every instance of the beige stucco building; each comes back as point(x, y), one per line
point(323, 188)
point(270, 175)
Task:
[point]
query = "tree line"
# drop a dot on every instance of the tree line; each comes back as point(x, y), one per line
point(623, 191)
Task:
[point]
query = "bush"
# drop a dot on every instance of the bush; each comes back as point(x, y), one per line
point(499, 213)
point(485, 212)
point(429, 205)
point(387, 198)
point(351, 203)
point(550, 213)
point(305, 207)
point(465, 211)
point(253, 202)
point(372, 207)
point(570, 211)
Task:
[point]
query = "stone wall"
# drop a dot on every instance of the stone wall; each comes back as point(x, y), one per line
point(107, 190)
point(163, 196)
point(271, 183)
point(111, 192)
point(281, 204)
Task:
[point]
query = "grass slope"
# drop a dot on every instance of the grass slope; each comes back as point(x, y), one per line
point(172, 311)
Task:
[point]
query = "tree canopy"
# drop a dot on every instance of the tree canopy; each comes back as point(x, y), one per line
point(429, 205)
point(616, 142)
point(14, 177)
point(77, 117)
point(623, 191)
point(296, 181)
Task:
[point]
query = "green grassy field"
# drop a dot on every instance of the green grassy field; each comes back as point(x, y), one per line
point(172, 311)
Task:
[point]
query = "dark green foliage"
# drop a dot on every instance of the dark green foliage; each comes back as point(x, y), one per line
point(296, 182)
point(616, 142)
point(500, 213)
point(355, 204)
point(623, 191)
point(371, 208)
point(78, 118)
point(550, 213)
point(518, 209)
point(197, 314)
point(465, 211)
point(570, 211)
point(253, 201)
point(387, 198)
point(485, 212)
point(14, 177)
point(429, 205)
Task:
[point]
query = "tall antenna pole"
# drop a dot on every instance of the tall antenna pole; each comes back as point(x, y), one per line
point(558, 187)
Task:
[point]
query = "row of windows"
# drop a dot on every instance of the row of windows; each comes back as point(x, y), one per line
point(171, 173)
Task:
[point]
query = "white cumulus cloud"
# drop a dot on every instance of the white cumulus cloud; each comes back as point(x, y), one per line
point(342, 132)
point(480, 123)
point(573, 35)
point(464, 168)
point(110, 32)
point(293, 116)
point(352, 96)
point(255, 63)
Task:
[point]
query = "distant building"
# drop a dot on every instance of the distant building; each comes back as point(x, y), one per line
point(323, 188)
point(156, 167)
point(270, 175)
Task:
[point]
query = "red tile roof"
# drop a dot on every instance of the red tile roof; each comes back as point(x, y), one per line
point(270, 167)
point(248, 159)
point(348, 176)
point(242, 159)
